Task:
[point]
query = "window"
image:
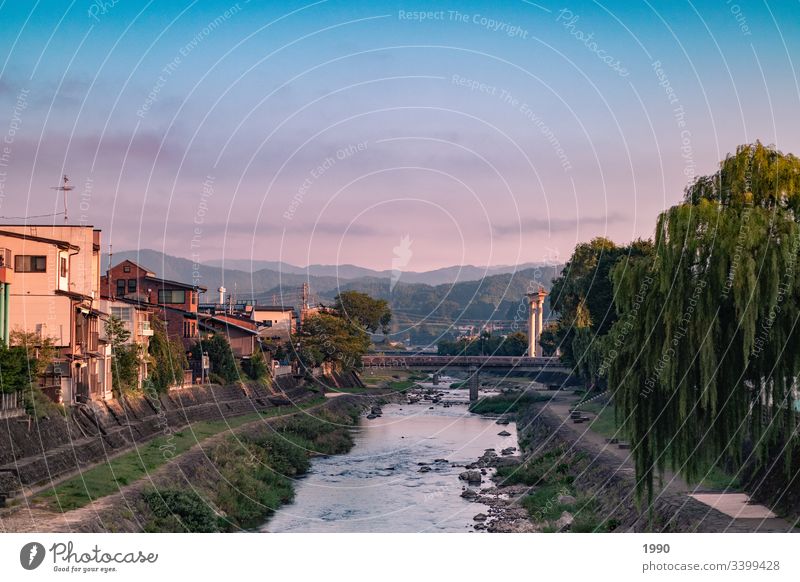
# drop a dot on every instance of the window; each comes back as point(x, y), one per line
point(30, 263)
point(122, 313)
point(63, 266)
point(173, 296)
point(120, 287)
point(131, 285)
point(126, 268)
point(189, 329)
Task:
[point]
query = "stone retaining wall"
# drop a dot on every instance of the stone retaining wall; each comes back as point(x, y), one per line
point(34, 452)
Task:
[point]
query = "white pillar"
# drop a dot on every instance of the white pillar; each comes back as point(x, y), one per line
point(532, 324)
point(539, 326)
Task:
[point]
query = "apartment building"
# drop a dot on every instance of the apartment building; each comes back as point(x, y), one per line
point(52, 289)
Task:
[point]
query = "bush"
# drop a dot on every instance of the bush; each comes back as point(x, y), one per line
point(220, 357)
point(179, 511)
point(505, 404)
point(255, 367)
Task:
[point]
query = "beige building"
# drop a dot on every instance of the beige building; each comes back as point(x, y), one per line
point(55, 294)
point(274, 322)
point(136, 320)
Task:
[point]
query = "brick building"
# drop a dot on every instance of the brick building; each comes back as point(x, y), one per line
point(175, 302)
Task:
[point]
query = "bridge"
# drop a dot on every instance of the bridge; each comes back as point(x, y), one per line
point(543, 367)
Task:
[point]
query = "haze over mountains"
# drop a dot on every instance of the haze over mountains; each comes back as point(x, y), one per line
point(258, 276)
point(426, 306)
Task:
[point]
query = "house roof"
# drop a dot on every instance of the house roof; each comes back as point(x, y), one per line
point(137, 265)
point(204, 323)
point(62, 244)
point(272, 308)
point(175, 283)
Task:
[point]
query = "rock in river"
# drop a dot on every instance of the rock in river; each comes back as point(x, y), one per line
point(504, 433)
point(471, 477)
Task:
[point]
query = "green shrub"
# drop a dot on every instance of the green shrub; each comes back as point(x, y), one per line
point(179, 511)
point(506, 403)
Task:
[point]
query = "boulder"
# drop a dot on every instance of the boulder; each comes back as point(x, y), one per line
point(469, 494)
point(424, 469)
point(471, 477)
point(480, 517)
point(504, 433)
point(566, 500)
point(564, 522)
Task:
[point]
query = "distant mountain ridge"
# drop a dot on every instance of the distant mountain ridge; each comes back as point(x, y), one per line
point(423, 312)
point(258, 276)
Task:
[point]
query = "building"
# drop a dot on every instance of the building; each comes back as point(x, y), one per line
point(176, 302)
point(6, 278)
point(55, 294)
point(276, 322)
point(242, 334)
point(136, 320)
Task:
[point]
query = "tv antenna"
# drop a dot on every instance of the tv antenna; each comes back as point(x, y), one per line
point(65, 187)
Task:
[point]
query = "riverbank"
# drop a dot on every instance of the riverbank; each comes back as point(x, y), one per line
point(570, 478)
point(229, 482)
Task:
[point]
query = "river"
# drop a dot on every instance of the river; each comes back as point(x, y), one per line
point(378, 486)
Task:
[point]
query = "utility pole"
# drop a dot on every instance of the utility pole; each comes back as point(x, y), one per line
point(65, 187)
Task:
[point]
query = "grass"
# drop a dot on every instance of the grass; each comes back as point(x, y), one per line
point(604, 422)
point(109, 477)
point(716, 478)
point(506, 403)
point(548, 474)
point(255, 474)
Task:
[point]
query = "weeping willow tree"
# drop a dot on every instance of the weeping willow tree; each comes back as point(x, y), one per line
point(706, 341)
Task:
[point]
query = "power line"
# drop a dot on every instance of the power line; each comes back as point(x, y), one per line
point(32, 216)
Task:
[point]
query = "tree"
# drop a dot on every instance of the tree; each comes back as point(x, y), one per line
point(514, 344)
point(325, 337)
point(168, 358)
point(220, 357)
point(583, 297)
point(366, 312)
point(14, 369)
point(706, 344)
point(256, 366)
point(126, 357)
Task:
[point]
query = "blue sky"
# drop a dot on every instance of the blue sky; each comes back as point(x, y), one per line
point(325, 132)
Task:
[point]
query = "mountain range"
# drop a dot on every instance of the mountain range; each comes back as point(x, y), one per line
point(426, 306)
point(257, 277)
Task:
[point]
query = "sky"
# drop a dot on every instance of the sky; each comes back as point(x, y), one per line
point(409, 135)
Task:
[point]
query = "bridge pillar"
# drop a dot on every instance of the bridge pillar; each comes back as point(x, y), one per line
point(435, 379)
point(474, 383)
point(536, 322)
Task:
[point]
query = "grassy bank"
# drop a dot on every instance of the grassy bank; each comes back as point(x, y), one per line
point(109, 477)
point(247, 478)
point(552, 491)
point(506, 403)
point(715, 478)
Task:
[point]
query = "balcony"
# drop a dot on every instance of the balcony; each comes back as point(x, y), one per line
point(6, 272)
point(145, 329)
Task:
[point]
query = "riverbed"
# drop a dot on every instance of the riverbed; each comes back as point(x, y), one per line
point(379, 486)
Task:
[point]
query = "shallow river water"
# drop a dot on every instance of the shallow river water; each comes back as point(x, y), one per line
point(377, 486)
